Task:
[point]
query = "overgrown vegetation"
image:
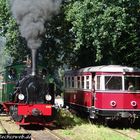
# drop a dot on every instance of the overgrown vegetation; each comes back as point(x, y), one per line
point(76, 128)
point(66, 119)
point(108, 30)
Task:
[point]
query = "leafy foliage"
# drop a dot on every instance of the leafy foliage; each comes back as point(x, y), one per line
point(106, 32)
point(67, 119)
point(86, 32)
point(3, 56)
point(54, 50)
point(15, 44)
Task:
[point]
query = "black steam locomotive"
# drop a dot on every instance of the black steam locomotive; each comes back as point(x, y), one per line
point(27, 94)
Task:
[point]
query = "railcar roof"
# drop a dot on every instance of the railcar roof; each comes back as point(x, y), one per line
point(110, 68)
point(105, 68)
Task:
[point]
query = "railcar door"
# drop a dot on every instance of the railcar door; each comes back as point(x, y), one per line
point(93, 88)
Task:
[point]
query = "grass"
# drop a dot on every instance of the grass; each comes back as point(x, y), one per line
point(75, 128)
point(91, 132)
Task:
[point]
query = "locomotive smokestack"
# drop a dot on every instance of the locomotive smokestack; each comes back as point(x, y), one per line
point(34, 61)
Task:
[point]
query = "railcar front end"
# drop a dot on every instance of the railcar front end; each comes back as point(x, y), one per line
point(115, 97)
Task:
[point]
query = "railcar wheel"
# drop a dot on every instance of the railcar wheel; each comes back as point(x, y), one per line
point(109, 122)
point(14, 114)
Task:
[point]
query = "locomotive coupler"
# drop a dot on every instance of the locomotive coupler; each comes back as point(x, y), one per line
point(36, 112)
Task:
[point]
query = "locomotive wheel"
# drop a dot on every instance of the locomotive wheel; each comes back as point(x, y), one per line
point(14, 114)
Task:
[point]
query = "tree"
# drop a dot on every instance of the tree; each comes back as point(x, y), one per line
point(52, 52)
point(84, 33)
point(106, 32)
point(3, 57)
point(15, 44)
point(55, 48)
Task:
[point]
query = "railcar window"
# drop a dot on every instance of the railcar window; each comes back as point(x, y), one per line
point(82, 81)
point(132, 83)
point(98, 82)
point(87, 82)
point(65, 82)
point(78, 81)
point(113, 83)
point(75, 82)
point(72, 82)
point(69, 85)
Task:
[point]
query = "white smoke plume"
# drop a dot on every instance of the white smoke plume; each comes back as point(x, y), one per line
point(31, 16)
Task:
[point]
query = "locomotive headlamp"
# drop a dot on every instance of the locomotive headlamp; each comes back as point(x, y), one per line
point(48, 97)
point(21, 96)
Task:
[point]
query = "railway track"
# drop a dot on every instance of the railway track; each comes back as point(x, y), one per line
point(44, 134)
point(7, 126)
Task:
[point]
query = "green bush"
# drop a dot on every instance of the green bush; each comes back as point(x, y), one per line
point(66, 119)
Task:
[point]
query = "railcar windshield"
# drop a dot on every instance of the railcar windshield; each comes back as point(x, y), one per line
point(132, 83)
point(113, 83)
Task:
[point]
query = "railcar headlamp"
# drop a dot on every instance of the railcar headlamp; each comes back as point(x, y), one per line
point(48, 97)
point(133, 103)
point(21, 96)
point(113, 103)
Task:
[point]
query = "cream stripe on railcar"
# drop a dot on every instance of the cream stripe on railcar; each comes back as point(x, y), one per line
point(110, 68)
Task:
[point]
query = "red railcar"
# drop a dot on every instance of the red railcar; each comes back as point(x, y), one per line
point(110, 91)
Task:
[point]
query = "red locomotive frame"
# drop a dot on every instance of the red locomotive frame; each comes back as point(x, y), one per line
point(44, 113)
point(102, 91)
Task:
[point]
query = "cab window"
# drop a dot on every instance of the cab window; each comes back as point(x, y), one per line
point(12, 74)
